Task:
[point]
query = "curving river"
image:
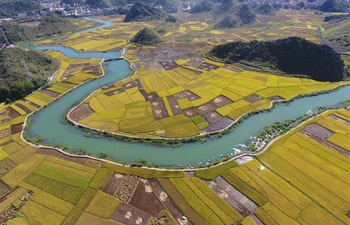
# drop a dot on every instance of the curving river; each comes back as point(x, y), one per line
point(47, 122)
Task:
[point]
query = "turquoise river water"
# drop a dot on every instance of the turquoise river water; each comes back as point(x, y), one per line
point(47, 122)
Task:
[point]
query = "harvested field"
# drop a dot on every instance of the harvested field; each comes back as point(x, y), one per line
point(169, 65)
point(318, 131)
point(232, 196)
point(275, 98)
point(126, 188)
point(81, 112)
point(113, 184)
point(340, 119)
point(212, 117)
point(50, 93)
point(16, 128)
point(190, 112)
point(220, 101)
point(328, 144)
point(114, 92)
point(12, 113)
point(129, 215)
point(129, 85)
point(149, 96)
point(145, 200)
point(106, 87)
point(173, 105)
point(169, 204)
point(207, 107)
point(25, 109)
point(219, 125)
point(207, 66)
point(232, 68)
point(158, 109)
point(187, 94)
point(253, 98)
point(57, 154)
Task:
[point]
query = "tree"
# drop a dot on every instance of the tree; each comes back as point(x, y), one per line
point(329, 6)
point(300, 5)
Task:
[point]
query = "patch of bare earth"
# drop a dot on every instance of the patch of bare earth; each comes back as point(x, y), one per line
point(253, 98)
point(25, 109)
point(158, 109)
point(113, 184)
point(127, 214)
point(17, 128)
point(169, 204)
point(12, 113)
point(321, 134)
point(175, 108)
point(81, 112)
point(145, 200)
point(275, 98)
point(232, 196)
point(50, 93)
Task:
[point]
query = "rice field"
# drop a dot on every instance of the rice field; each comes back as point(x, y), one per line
point(298, 180)
point(180, 97)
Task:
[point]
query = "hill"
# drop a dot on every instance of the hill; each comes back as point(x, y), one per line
point(266, 9)
point(140, 12)
point(239, 15)
point(204, 6)
point(223, 8)
point(291, 55)
point(10, 8)
point(22, 72)
point(53, 24)
point(50, 25)
point(147, 36)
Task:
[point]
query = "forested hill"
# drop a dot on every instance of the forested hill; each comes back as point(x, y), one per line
point(22, 72)
point(147, 36)
point(9, 8)
point(140, 12)
point(291, 55)
point(49, 25)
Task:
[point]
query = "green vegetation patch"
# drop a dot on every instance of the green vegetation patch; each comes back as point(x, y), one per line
point(62, 176)
point(61, 190)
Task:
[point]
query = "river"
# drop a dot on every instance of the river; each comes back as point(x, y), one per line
point(47, 122)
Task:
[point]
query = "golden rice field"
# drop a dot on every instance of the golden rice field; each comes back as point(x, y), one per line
point(297, 180)
point(120, 109)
